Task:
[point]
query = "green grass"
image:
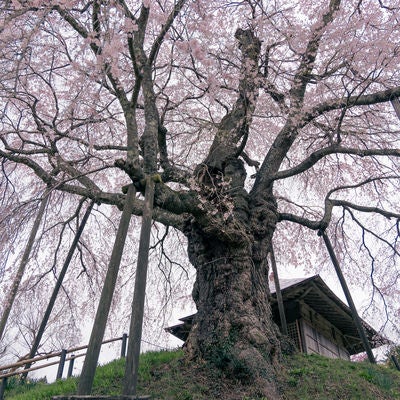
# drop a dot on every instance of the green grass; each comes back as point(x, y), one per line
point(166, 375)
point(316, 377)
point(40, 390)
point(108, 379)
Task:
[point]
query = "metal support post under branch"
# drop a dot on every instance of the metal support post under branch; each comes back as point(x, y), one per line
point(135, 330)
point(357, 319)
point(3, 388)
point(278, 292)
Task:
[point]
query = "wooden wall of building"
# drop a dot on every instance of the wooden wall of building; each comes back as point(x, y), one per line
point(320, 336)
point(312, 333)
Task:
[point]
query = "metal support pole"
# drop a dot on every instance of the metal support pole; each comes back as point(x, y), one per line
point(57, 287)
point(396, 363)
point(123, 345)
point(356, 318)
point(92, 355)
point(3, 388)
point(396, 105)
point(135, 329)
point(281, 308)
point(71, 366)
point(10, 297)
point(61, 364)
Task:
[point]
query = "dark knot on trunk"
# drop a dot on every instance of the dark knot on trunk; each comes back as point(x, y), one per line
point(249, 44)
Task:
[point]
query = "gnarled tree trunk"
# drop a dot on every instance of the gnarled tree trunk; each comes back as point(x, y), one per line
point(233, 327)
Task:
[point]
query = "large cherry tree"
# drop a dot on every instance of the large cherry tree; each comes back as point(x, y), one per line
point(259, 121)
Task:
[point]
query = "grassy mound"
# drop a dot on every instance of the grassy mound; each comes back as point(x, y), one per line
point(166, 375)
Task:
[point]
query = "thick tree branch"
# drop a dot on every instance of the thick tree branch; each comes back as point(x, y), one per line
point(288, 133)
point(382, 96)
point(362, 183)
point(365, 209)
point(76, 174)
point(303, 74)
point(76, 25)
point(45, 176)
point(329, 204)
point(321, 153)
point(286, 137)
point(276, 95)
point(165, 28)
point(234, 126)
point(148, 143)
point(171, 173)
point(178, 205)
point(314, 225)
point(96, 48)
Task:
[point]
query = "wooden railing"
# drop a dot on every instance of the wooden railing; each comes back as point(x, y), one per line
point(18, 368)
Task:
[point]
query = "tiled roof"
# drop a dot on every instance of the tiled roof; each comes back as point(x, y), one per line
point(285, 283)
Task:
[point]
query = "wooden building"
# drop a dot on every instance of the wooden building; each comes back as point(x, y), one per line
point(318, 321)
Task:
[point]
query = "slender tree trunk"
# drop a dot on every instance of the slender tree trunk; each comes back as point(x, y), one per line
point(135, 330)
point(25, 258)
point(57, 287)
point(103, 309)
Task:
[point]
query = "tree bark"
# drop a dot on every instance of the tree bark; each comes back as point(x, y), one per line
point(233, 327)
point(25, 259)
